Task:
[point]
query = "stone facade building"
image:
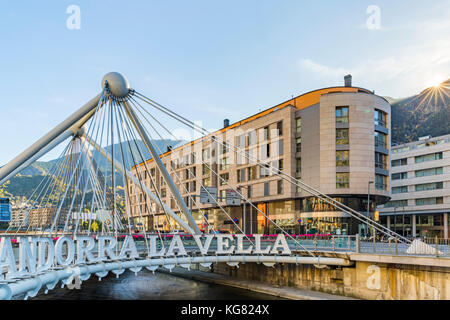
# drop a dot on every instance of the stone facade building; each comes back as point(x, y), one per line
point(334, 139)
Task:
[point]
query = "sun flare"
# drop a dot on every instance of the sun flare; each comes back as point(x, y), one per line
point(435, 82)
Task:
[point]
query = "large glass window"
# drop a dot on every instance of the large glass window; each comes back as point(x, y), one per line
point(429, 201)
point(399, 162)
point(266, 189)
point(299, 125)
point(402, 189)
point(400, 176)
point(429, 157)
point(205, 169)
point(224, 163)
point(429, 172)
point(342, 159)
point(342, 180)
point(299, 165)
point(264, 171)
point(381, 161)
point(280, 128)
point(241, 175)
point(341, 114)
point(380, 140)
point(429, 186)
point(252, 138)
point(252, 173)
point(298, 144)
point(224, 178)
point(380, 182)
point(396, 204)
point(240, 141)
point(342, 136)
point(206, 182)
point(380, 118)
point(280, 186)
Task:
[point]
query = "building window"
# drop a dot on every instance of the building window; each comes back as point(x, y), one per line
point(280, 165)
point(205, 169)
point(429, 201)
point(224, 149)
point(298, 144)
point(396, 204)
point(342, 159)
point(399, 162)
point(280, 128)
point(429, 172)
point(342, 180)
point(206, 182)
point(224, 163)
point(400, 176)
point(299, 165)
point(280, 147)
point(380, 161)
point(429, 157)
point(280, 186)
point(224, 178)
point(341, 114)
point(264, 133)
point(380, 140)
point(206, 153)
point(251, 173)
point(163, 193)
point(241, 175)
point(240, 141)
point(252, 138)
point(299, 125)
point(430, 186)
point(249, 191)
point(193, 186)
point(264, 170)
point(380, 118)
point(380, 182)
point(223, 195)
point(402, 189)
point(342, 136)
point(266, 189)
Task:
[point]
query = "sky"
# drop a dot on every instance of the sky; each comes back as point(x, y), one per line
point(209, 60)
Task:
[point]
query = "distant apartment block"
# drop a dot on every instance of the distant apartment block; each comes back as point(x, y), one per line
point(420, 186)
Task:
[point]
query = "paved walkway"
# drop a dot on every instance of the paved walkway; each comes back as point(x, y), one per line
point(283, 292)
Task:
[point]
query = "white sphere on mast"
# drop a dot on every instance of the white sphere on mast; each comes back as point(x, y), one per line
point(118, 85)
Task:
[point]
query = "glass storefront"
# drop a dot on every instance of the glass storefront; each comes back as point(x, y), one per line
point(427, 225)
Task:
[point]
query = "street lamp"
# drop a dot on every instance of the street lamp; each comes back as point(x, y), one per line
point(368, 203)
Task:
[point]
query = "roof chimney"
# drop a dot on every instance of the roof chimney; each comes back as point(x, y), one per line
point(226, 123)
point(348, 80)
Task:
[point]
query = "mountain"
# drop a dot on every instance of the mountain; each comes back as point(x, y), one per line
point(427, 113)
point(24, 183)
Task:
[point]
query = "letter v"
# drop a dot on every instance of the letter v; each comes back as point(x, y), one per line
point(203, 248)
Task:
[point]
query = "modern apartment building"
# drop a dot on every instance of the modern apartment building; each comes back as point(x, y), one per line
point(420, 184)
point(334, 139)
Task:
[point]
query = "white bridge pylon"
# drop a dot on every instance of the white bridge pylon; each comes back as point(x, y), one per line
point(77, 187)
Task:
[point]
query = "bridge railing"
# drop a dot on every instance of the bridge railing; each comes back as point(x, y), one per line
point(433, 247)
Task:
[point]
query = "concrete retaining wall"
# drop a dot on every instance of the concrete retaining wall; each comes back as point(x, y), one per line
point(365, 280)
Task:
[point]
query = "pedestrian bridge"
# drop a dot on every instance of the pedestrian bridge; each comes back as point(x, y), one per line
point(77, 222)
